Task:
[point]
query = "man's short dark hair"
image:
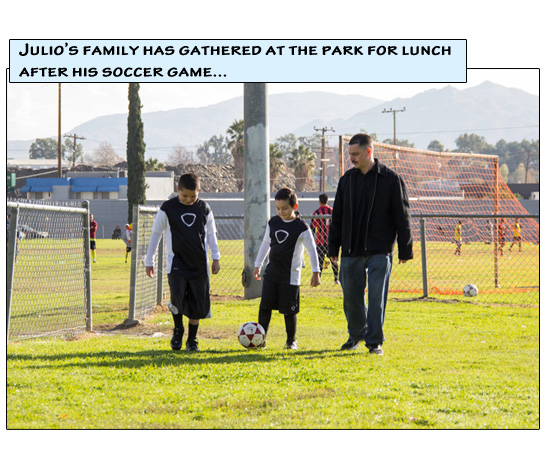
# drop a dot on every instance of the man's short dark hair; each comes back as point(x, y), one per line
point(323, 198)
point(189, 181)
point(362, 139)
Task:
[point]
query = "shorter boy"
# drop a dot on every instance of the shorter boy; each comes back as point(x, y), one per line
point(285, 237)
point(190, 233)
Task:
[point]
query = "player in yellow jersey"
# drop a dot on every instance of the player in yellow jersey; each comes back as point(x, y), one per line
point(516, 234)
point(458, 237)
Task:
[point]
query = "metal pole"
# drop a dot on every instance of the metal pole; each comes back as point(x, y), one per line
point(341, 155)
point(87, 265)
point(59, 171)
point(10, 260)
point(425, 287)
point(256, 180)
point(160, 271)
point(323, 168)
point(495, 227)
point(133, 267)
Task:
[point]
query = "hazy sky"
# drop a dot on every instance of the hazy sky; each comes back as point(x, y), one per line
point(32, 108)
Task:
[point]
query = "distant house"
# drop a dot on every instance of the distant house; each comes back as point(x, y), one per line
point(86, 186)
point(526, 190)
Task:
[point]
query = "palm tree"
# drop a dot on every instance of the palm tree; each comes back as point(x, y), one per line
point(275, 164)
point(153, 165)
point(236, 143)
point(302, 160)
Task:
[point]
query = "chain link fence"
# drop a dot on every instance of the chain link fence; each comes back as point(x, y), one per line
point(48, 286)
point(145, 292)
point(503, 273)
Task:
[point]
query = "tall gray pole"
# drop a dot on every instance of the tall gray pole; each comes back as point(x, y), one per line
point(87, 265)
point(256, 180)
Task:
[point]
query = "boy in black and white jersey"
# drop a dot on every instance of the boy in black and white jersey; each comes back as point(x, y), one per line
point(190, 233)
point(285, 237)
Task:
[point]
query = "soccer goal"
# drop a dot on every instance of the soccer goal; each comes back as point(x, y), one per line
point(48, 286)
point(146, 293)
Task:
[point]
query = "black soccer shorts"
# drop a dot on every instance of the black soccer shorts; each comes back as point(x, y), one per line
point(283, 297)
point(190, 297)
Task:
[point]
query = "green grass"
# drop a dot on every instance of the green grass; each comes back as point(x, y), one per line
point(446, 366)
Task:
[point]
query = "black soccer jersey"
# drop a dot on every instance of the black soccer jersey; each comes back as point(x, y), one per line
point(285, 242)
point(190, 231)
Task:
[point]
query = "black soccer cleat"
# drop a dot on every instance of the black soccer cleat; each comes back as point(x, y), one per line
point(192, 346)
point(177, 339)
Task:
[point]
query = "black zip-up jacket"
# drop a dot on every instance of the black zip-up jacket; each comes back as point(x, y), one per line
point(387, 213)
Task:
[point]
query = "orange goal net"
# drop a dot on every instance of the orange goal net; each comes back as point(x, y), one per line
point(450, 183)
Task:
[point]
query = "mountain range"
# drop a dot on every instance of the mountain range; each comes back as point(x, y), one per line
point(490, 110)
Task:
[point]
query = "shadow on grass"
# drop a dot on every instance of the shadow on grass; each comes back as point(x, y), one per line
point(162, 358)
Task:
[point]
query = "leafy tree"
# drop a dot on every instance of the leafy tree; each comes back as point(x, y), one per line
point(472, 143)
point(153, 165)
point(45, 149)
point(214, 151)
point(70, 150)
point(180, 155)
point(105, 155)
point(286, 143)
point(400, 142)
point(436, 146)
point(518, 175)
point(302, 160)
point(504, 172)
point(276, 164)
point(235, 138)
point(135, 151)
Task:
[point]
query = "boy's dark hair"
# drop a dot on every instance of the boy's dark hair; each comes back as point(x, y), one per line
point(287, 194)
point(323, 198)
point(189, 181)
point(362, 139)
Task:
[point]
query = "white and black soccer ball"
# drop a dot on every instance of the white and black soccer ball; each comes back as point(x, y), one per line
point(251, 335)
point(470, 290)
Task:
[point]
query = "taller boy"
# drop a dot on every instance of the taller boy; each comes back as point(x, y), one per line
point(191, 232)
point(371, 210)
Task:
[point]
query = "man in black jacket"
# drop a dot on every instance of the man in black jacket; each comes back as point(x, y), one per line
point(370, 210)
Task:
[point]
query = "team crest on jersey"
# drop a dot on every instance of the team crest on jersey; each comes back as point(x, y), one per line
point(281, 236)
point(188, 219)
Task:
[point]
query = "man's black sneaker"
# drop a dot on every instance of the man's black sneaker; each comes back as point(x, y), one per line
point(177, 338)
point(350, 345)
point(192, 346)
point(375, 349)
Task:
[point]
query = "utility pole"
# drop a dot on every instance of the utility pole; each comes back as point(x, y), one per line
point(75, 137)
point(323, 158)
point(59, 171)
point(394, 111)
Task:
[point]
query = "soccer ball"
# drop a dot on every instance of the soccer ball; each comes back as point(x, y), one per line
point(251, 335)
point(470, 290)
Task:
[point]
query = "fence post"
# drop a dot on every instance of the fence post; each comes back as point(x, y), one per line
point(425, 287)
point(131, 320)
point(160, 271)
point(87, 264)
point(11, 256)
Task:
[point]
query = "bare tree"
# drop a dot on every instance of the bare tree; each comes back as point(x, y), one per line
point(105, 155)
point(180, 155)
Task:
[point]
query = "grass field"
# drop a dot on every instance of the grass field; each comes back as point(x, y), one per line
point(447, 365)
